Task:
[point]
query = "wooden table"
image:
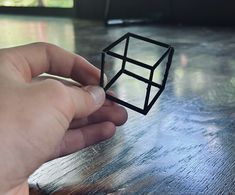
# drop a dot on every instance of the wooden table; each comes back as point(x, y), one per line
point(185, 145)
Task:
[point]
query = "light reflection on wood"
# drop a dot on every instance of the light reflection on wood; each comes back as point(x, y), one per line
point(185, 145)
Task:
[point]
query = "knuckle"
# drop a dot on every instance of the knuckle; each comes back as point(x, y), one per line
point(47, 47)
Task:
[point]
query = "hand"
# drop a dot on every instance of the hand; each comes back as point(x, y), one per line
point(42, 119)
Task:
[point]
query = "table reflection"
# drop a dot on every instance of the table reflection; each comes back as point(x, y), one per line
point(185, 145)
point(19, 30)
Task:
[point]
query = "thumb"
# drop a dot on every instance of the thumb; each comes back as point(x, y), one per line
point(86, 100)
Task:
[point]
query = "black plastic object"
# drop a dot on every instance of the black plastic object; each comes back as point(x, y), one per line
point(150, 83)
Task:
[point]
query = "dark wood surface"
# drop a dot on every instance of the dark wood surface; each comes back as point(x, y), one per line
point(185, 145)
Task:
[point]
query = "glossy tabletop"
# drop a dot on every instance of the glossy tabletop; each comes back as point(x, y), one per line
point(186, 143)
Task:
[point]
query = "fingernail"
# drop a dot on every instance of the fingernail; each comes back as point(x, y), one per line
point(97, 94)
point(105, 79)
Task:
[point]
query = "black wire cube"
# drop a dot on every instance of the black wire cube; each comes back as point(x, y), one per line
point(137, 74)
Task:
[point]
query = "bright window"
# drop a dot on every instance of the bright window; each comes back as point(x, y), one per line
point(38, 3)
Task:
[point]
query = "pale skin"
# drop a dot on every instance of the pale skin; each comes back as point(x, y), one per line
point(43, 119)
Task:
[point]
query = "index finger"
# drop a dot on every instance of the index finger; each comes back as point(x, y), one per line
point(37, 58)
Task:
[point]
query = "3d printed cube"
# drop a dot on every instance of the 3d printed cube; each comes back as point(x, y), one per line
point(128, 65)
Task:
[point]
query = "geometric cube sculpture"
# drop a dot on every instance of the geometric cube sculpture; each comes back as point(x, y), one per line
point(132, 75)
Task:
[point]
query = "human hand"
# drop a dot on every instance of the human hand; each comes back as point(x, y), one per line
point(44, 119)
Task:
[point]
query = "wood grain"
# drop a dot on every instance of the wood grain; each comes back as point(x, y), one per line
point(185, 145)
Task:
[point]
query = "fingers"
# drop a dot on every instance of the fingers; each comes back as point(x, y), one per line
point(86, 136)
point(67, 102)
point(33, 59)
point(115, 114)
point(110, 111)
point(86, 100)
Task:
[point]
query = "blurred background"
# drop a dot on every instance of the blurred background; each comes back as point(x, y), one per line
point(37, 3)
point(164, 11)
